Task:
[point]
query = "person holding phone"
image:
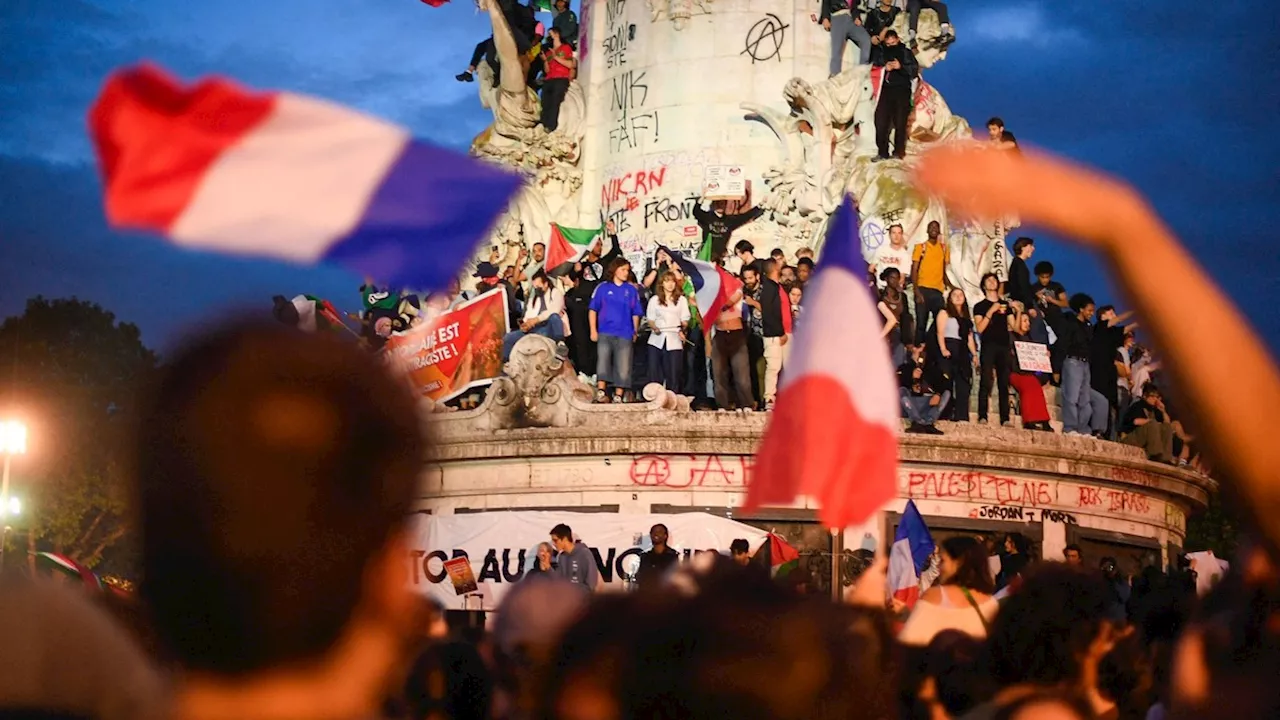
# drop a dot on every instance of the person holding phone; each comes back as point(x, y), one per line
point(991, 318)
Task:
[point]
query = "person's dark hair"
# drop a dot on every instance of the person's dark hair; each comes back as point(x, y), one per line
point(1071, 547)
point(765, 265)
point(1080, 301)
point(806, 262)
point(668, 655)
point(891, 33)
point(655, 526)
point(1125, 676)
point(895, 225)
point(271, 465)
point(540, 275)
point(1044, 630)
point(998, 122)
point(1149, 389)
point(614, 264)
point(1020, 542)
point(1044, 267)
point(1006, 136)
point(889, 272)
point(743, 246)
point(449, 680)
point(952, 659)
point(554, 31)
point(958, 312)
point(982, 284)
point(972, 572)
point(1021, 243)
point(562, 532)
point(776, 252)
point(739, 545)
point(1103, 310)
point(753, 267)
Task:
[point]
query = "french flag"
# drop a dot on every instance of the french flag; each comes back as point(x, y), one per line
point(833, 434)
point(909, 556)
point(217, 167)
point(713, 286)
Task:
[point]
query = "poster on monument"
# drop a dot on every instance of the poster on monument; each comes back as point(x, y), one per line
point(724, 182)
point(456, 351)
point(1033, 357)
point(460, 575)
point(500, 547)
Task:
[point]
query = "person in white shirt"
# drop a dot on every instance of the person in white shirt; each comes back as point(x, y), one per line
point(962, 600)
point(893, 254)
point(543, 315)
point(668, 317)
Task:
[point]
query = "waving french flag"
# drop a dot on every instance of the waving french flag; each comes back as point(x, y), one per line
point(217, 167)
point(909, 555)
point(713, 286)
point(833, 434)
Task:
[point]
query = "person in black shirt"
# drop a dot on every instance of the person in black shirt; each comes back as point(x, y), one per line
point(1108, 338)
point(1019, 284)
point(921, 404)
point(894, 106)
point(717, 227)
point(991, 318)
point(656, 562)
point(879, 20)
point(1075, 337)
point(1146, 425)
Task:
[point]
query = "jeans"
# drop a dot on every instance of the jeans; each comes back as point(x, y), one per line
point(892, 111)
point(1099, 412)
point(731, 369)
point(553, 92)
point(552, 327)
point(917, 409)
point(755, 356)
point(960, 368)
point(775, 357)
point(1077, 405)
point(995, 360)
point(613, 361)
point(695, 364)
point(843, 30)
point(666, 367)
point(933, 302)
point(913, 9)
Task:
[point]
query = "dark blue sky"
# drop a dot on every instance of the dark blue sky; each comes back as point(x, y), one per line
point(1179, 97)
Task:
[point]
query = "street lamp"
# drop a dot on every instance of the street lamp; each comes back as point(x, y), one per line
point(13, 441)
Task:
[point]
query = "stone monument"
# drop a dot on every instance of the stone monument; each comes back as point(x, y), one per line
point(667, 89)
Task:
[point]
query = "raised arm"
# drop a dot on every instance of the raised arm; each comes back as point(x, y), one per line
point(1144, 255)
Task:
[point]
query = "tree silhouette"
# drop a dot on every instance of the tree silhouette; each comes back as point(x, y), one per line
point(73, 373)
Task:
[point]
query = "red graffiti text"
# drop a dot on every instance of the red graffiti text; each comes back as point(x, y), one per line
point(981, 487)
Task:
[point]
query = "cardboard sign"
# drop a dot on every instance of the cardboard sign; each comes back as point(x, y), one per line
point(464, 581)
point(454, 352)
point(724, 182)
point(1033, 357)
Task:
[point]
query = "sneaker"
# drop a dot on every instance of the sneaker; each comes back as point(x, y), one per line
point(602, 397)
point(932, 430)
point(465, 76)
point(880, 158)
point(917, 428)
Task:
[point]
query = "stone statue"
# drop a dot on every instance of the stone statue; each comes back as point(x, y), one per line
point(549, 161)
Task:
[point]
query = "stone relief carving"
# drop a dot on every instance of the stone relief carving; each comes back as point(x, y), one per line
point(828, 143)
point(539, 388)
point(678, 11)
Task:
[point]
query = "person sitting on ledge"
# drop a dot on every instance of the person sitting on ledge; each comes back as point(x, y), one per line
point(920, 404)
point(1146, 425)
point(840, 18)
point(913, 10)
point(542, 315)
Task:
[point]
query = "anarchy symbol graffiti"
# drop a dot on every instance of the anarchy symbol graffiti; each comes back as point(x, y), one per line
point(764, 39)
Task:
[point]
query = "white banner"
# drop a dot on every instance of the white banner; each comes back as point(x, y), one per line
point(502, 545)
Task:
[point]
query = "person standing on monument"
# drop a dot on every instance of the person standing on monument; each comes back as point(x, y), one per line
point(717, 226)
point(615, 318)
point(840, 18)
point(564, 20)
point(894, 106)
point(991, 318)
point(1019, 285)
point(893, 254)
point(731, 370)
point(560, 65)
point(929, 261)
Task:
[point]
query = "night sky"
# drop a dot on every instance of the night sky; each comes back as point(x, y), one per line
point(1179, 97)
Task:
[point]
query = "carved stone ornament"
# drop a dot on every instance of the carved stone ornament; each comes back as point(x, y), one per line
point(678, 11)
point(540, 388)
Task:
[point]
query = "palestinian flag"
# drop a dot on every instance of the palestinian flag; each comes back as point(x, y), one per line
point(68, 567)
point(539, 5)
point(775, 554)
point(704, 252)
point(567, 245)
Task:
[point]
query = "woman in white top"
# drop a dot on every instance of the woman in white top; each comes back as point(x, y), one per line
point(667, 315)
point(962, 598)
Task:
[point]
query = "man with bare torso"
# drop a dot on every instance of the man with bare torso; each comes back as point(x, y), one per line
point(730, 365)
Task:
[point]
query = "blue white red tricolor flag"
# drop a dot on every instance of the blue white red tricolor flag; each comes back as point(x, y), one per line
point(215, 166)
point(713, 286)
point(833, 435)
point(909, 556)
